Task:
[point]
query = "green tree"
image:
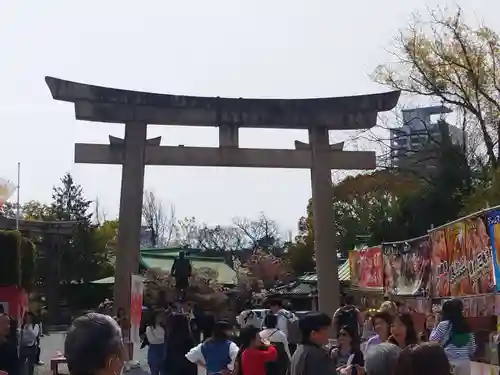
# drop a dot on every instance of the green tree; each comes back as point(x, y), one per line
point(364, 204)
point(106, 234)
point(364, 207)
point(69, 204)
point(485, 192)
point(442, 58)
point(434, 203)
point(300, 258)
point(36, 210)
point(86, 256)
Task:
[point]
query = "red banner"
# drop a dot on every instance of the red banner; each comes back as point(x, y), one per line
point(366, 268)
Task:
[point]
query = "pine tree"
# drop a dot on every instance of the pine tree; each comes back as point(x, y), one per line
point(69, 204)
point(85, 256)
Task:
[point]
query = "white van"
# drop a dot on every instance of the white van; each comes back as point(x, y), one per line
point(254, 317)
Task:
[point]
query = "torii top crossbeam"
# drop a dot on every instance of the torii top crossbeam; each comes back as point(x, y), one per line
point(138, 109)
point(104, 104)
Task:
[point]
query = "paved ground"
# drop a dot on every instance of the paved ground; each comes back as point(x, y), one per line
point(55, 342)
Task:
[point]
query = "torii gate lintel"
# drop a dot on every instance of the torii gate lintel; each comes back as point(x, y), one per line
point(138, 109)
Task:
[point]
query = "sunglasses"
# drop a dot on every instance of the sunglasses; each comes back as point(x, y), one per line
point(343, 334)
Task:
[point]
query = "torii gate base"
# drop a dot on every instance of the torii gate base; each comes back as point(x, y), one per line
point(137, 109)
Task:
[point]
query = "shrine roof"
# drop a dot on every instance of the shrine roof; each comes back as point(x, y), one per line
point(39, 226)
point(104, 104)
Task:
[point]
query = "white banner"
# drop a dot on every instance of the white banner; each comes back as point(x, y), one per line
point(137, 289)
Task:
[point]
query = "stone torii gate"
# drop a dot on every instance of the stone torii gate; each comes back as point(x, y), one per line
point(138, 109)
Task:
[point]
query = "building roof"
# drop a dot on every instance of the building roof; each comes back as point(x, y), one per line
point(296, 288)
point(344, 274)
point(163, 259)
point(105, 104)
point(307, 284)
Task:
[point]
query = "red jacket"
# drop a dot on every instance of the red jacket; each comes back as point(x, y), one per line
point(253, 360)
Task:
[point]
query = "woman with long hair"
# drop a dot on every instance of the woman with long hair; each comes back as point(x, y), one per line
point(155, 335)
point(382, 321)
point(348, 345)
point(403, 331)
point(179, 342)
point(217, 354)
point(254, 353)
point(455, 337)
point(30, 332)
point(429, 324)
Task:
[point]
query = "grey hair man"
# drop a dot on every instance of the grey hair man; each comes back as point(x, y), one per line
point(381, 359)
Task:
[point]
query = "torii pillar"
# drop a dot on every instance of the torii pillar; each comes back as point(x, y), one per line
point(137, 109)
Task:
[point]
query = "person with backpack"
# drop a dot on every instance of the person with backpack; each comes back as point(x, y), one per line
point(279, 340)
point(453, 334)
point(217, 354)
point(348, 315)
point(288, 323)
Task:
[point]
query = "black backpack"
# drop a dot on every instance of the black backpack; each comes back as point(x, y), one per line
point(348, 316)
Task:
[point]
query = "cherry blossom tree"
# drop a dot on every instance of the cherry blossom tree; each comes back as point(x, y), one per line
point(266, 269)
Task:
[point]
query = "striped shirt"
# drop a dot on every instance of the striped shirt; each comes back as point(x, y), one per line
point(441, 334)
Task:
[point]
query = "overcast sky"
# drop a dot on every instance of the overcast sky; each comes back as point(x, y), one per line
point(257, 48)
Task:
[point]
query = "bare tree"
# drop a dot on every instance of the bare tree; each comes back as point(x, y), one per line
point(262, 233)
point(202, 236)
point(159, 220)
point(221, 238)
point(187, 232)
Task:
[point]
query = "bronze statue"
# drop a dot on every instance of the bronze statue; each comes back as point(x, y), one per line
point(181, 271)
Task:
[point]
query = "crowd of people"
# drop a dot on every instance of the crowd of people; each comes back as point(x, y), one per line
point(179, 344)
point(395, 347)
point(94, 345)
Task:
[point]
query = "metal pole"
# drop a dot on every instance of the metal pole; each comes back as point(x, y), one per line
point(18, 207)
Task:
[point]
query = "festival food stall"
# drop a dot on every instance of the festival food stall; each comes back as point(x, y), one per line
point(456, 260)
point(461, 266)
point(406, 276)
